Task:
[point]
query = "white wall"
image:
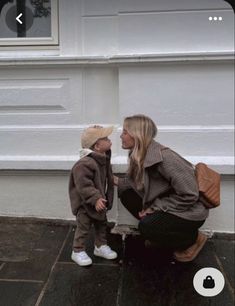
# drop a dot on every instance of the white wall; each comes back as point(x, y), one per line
point(116, 58)
point(44, 195)
point(118, 27)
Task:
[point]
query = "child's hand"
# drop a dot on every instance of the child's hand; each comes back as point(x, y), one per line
point(100, 204)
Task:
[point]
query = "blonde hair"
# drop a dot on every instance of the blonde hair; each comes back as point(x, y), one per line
point(143, 130)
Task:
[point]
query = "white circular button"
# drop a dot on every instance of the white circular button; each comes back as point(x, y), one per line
point(208, 281)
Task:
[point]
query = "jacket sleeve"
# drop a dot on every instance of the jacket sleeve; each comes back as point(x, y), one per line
point(181, 176)
point(110, 188)
point(84, 182)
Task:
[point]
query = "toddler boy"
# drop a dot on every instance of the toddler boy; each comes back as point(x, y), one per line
point(91, 193)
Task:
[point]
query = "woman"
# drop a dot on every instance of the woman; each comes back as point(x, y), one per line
point(160, 190)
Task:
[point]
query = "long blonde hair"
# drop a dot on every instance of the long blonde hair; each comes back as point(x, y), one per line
point(143, 130)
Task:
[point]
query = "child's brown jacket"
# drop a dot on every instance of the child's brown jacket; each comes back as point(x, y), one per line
point(91, 179)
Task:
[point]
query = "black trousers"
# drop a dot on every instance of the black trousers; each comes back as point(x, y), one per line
point(164, 229)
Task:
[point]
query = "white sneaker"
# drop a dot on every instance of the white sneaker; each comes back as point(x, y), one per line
point(105, 252)
point(81, 258)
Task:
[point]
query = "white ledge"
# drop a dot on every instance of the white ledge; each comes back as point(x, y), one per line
point(116, 59)
point(165, 128)
point(222, 164)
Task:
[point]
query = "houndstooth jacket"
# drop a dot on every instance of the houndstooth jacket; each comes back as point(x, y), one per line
point(169, 184)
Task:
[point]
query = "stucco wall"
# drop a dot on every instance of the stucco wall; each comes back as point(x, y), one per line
point(116, 58)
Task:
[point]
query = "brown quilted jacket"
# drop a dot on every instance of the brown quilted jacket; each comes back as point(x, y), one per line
point(91, 179)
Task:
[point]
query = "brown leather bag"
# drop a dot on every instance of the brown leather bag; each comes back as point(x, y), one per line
point(208, 181)
point(209, 185)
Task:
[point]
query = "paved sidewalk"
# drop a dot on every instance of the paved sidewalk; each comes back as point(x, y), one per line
point(36, 269)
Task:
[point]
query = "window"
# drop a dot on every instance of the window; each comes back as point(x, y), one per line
point(28, 22)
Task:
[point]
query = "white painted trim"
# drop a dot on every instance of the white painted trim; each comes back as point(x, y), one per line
point(123, 59)
point(222, 164)
point(52, 127)
point(175, 11)
point(172, 128)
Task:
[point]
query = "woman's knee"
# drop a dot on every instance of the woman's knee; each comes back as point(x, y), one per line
point(150, 226)
point(143, 226)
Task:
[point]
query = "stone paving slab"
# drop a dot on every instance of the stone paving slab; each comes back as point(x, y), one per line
point(35, 261)
point(70, 284)
point(224, 249)
point(152, 277)
point(19, 293)
point(36, 269)
point(25, 236)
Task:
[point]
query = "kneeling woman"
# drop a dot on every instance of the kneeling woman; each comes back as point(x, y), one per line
point(161, 190)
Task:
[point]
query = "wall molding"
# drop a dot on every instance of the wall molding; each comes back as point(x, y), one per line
point(118, 127)
point(116, 59)
point(222, 164)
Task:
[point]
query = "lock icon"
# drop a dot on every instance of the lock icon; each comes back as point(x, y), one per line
point(208, 282)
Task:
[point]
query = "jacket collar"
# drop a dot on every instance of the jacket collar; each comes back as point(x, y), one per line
point(84, 152)
point(101, 158)
point(154, 154)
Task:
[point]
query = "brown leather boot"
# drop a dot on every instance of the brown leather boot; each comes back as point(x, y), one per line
point(191, 253)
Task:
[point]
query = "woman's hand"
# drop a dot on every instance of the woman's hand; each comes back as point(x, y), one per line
point(100, 205)
point(145, 212)
point(115, 180)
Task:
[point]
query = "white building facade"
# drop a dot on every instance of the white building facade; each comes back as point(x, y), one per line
point(169, 59)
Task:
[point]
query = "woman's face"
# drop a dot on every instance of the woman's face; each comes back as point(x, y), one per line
point(128, 141)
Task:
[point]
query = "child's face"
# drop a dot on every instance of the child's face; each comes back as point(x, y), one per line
point(103, 145)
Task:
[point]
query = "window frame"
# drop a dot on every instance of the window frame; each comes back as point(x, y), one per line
point(38, 41)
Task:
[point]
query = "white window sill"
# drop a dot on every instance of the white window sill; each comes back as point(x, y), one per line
point(222, 164)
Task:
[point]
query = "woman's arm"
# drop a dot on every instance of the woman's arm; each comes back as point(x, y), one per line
point(182, 179)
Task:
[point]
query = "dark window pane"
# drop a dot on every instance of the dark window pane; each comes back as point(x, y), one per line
point(34, 18)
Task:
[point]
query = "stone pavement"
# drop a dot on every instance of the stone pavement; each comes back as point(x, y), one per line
point(36, 269)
